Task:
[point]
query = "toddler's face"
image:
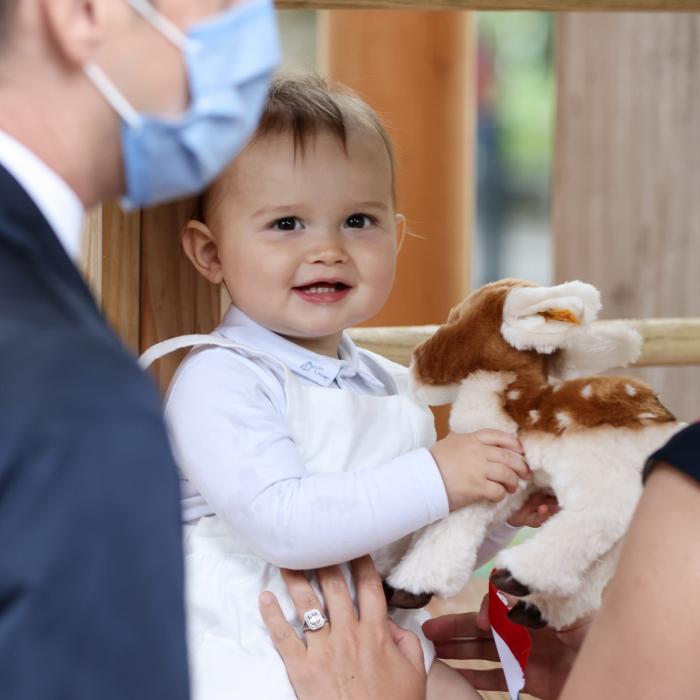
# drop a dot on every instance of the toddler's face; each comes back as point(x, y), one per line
point(308, 245)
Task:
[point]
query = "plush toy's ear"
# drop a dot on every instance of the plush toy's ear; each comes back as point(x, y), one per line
point(430, 394)
point(604, 346)
point(545, 318)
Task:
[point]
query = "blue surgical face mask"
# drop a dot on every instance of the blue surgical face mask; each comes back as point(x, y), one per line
point(229, 60)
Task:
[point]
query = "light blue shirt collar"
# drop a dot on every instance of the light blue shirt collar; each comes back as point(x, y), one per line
point(320, 369)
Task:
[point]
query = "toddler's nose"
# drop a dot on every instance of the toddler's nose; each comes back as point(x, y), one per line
point(328, 250)
point(329, 256)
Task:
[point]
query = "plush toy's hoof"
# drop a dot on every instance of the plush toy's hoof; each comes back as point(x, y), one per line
point(396, 598)
point(504, 581)
point(527, 615)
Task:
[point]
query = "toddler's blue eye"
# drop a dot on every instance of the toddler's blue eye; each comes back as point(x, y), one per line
point(359, 221)
point(289, 223)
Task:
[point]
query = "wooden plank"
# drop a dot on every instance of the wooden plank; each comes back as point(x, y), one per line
point(666, 341)
point(626, 211)
point(91, 262)
point(111, 263)
point(542, 5)
point(175, 300)
point(121, 284)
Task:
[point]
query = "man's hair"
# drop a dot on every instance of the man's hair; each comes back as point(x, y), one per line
point(304, 106)
point(7, 10)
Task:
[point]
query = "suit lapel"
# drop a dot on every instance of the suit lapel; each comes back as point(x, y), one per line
point(23, 226)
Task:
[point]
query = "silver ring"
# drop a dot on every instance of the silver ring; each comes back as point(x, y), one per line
point(314, 619)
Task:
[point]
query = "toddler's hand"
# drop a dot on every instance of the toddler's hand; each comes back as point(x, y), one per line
point(478, 466)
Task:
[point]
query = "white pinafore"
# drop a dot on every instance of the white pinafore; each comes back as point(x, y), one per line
point(231, 655)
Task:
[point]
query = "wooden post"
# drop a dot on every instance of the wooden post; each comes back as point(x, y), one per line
point(626, 210)
point(415, 70)
point(112, 264)
point(175, 300)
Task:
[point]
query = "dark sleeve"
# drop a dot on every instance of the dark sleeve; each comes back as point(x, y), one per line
point(682, 451)
point(91, 579)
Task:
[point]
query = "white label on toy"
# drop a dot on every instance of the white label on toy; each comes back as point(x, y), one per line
point(515, 678)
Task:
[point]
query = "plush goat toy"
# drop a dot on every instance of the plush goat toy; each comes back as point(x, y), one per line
point(505, 360)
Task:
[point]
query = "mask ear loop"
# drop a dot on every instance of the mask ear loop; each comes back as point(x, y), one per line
point(162, 24)
point(109, 90)
point(115, 98)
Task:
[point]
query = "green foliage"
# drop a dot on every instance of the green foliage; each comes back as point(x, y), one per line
point(520, 44)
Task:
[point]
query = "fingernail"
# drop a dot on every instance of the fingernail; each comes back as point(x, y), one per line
point(266, 598)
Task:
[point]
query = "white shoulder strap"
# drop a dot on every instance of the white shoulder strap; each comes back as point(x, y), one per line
point(160, 350)
point(165, 347)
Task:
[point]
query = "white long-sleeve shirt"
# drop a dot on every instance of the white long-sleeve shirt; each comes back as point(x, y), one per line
point(226, 414)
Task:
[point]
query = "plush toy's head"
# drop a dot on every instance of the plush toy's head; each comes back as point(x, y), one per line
point(518, 326)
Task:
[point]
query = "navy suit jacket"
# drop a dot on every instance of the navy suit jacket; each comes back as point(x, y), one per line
point(91, 579)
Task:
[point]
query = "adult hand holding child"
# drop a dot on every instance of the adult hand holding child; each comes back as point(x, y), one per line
point(353, 657)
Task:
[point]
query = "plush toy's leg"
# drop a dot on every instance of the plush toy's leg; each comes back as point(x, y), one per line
point(527, 615)
point(562, 611)
point(396, 598)
point(442, 556)
point(505, 581)
point(596, 480)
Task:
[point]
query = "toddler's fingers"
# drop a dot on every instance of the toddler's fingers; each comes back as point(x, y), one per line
point(493, 491)
point(283, 636)
point(498, 438)
point(503, 475)
point(510, 459)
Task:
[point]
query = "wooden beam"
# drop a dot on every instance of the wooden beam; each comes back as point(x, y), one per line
point(542, 5)
point(666, 341)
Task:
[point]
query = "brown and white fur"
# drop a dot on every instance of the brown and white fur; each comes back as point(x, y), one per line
point(503, 360)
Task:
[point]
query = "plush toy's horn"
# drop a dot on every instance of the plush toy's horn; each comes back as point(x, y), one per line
point(544, 319)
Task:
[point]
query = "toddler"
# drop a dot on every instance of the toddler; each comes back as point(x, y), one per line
point(297, 448)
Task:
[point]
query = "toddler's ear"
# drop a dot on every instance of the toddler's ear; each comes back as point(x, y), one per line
point(400, 220)
point(201, 248)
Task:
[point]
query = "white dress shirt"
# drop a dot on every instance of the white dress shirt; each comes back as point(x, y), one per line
point(226, 414)
point(54, 198)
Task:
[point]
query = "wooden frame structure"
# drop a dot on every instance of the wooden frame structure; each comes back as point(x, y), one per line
point(665, 341)
point(541, 5)
point(131, 257)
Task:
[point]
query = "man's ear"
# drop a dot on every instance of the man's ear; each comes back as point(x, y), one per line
point(201, 248)
point(77, 27)
point(400, 222)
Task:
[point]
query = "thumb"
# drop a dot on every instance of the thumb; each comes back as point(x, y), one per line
point(482, 617)
point(408, 644)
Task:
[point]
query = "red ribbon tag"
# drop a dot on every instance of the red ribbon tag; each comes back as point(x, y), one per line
point(513, 642)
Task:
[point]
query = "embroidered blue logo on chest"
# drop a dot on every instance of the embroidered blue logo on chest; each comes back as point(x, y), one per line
point(315, 369)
